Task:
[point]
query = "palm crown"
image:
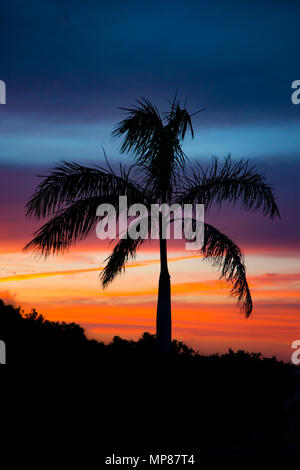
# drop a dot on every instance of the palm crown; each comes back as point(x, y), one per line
point(70, 194)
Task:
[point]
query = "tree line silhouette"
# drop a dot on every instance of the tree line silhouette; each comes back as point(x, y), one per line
point(233, 399)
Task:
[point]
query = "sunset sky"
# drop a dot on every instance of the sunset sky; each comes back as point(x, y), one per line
point(68, 66)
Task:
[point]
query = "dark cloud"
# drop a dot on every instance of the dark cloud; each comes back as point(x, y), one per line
point(80, 60)
point(247, 228)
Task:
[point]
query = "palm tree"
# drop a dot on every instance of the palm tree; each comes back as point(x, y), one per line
point(71, 193)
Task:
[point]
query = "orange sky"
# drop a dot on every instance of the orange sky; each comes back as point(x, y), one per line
point(67, 288)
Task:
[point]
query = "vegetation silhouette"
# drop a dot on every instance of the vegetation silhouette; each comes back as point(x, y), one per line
point(232, 400)
point(158, 175)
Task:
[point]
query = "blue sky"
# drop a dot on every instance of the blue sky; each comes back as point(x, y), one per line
point(75, 61)
point(69, 65)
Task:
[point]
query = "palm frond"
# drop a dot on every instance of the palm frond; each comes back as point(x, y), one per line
point(223, 253)
point(67, 227)
point(123, 251)
point(232, 183)
point(69, 182)
point(141, 124)
point(179, 120)
point(155, 143)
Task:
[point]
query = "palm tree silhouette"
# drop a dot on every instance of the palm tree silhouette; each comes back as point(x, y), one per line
point(71, 193)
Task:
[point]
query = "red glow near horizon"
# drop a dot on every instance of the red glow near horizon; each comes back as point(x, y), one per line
point(67, 288)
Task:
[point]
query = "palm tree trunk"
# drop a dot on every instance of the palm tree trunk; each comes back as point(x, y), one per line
point(163, 320)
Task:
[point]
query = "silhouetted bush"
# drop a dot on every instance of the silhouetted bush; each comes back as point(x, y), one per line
point(233, 399)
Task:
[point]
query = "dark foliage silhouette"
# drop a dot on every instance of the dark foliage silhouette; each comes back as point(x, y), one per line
point(232, 400)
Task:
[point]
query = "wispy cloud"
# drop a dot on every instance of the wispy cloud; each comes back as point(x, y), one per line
point(39, 275)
